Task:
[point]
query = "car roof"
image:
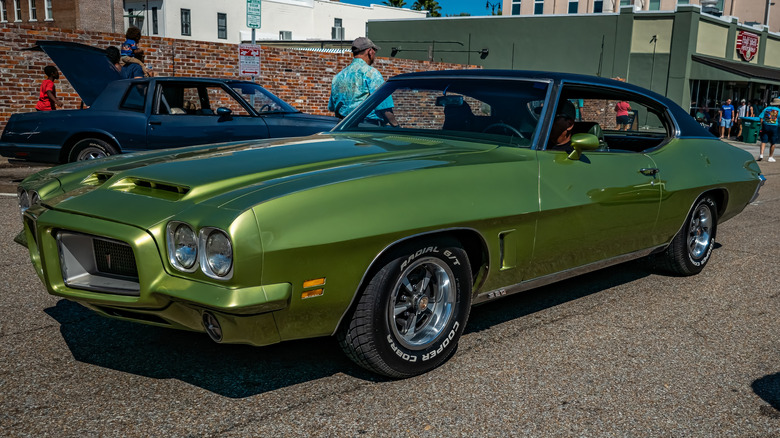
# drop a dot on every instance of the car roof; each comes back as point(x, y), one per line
point(688, 126)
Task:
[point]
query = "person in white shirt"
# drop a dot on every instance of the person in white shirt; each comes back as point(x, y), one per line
point(742, 111)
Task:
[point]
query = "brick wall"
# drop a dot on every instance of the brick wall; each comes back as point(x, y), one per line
point(301, 78)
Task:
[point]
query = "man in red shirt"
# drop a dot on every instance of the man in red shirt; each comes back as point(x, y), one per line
point(47, 99)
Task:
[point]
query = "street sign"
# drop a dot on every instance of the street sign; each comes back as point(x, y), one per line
point(249, 60)
point(253, 14)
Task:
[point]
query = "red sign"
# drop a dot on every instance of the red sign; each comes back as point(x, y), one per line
point(747, 45)
point(249, 60)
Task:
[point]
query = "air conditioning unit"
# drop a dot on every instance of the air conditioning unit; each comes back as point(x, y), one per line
point(337, 33)
point(285, 34)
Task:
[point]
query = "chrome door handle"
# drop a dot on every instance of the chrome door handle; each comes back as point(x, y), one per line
point(649, 171)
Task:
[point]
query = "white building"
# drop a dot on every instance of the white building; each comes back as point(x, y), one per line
point(226, 21)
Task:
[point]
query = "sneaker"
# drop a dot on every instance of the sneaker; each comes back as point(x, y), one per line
point(771, 159)
point(759, 158)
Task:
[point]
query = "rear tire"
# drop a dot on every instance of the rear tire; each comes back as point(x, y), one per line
point(412, 312)
point(691, 248)
point(91, 149)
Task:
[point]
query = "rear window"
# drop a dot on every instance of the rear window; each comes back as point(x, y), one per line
point(135, 98)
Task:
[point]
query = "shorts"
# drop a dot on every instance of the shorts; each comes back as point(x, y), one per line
point(768, 134)
point(622, 120)
point(726, 123)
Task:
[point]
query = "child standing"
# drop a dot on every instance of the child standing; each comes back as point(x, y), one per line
point(47, 98)
point(130, 48)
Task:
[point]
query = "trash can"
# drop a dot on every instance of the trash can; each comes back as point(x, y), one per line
point(750, 128)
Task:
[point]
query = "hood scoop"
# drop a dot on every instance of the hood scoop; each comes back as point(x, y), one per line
point(97, 178)
point(155, 189)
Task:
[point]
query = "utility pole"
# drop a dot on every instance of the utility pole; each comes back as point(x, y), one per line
point(766, 17)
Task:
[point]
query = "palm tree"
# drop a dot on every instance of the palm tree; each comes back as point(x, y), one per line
point(394, 3)
point(432, 6)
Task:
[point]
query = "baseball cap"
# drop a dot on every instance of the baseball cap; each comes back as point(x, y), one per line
point(742, 101)
point(363, 43)
point(566, 109)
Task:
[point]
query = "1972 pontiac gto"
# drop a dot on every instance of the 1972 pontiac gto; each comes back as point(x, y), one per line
point(386, 236)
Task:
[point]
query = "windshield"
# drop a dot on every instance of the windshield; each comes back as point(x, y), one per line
point(478, 108)
point(261, 99)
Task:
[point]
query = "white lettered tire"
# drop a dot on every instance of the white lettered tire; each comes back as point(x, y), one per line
point(412, 311)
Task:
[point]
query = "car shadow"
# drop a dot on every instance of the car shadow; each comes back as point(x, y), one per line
point(239, 371)
point(531, 301)
point(768, 388)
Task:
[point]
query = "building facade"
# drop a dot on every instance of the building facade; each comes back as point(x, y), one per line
point(749, 12)
point(226, 21)
point(691, 57)
point(89, 15)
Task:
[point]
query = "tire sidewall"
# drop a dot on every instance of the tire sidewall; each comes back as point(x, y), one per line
point(89, 143)
point(411, 362)
point(698, 263)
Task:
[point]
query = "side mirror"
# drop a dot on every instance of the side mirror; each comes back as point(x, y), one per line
point(583, 142)
point(222, 111)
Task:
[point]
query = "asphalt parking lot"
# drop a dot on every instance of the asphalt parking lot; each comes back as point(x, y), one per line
point(620, 352)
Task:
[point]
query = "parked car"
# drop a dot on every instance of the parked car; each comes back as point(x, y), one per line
point(142, 114)
point(386, 236)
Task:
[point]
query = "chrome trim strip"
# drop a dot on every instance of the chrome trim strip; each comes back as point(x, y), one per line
point(381, 253)
point(761, 181)
point(559, 276)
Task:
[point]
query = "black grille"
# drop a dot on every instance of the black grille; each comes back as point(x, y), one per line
point(114, 258)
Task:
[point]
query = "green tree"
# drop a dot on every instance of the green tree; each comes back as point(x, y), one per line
point(394, 3)
point(432, 6)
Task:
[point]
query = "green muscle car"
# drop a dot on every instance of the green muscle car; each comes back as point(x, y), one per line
point(385, 231)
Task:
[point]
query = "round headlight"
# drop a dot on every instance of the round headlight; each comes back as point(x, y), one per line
point(185, 246)
point(24, 199)
point(219, 253)
point(34, 198)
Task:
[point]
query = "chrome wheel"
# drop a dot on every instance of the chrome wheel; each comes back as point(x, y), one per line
point(91, 149)
point(422, 303)
point(700, 231)
point(91, 154)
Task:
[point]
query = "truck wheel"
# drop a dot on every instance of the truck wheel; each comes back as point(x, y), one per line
point(413, 310)
point(90, 149)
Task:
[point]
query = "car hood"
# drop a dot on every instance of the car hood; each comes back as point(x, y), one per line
point(146, 188)
point(87, 68)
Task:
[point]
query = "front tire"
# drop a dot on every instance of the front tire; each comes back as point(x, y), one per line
point(412, 312)
point(91, 149)
point(691, 248)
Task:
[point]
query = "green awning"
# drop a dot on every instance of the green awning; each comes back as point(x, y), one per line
point(716, 69)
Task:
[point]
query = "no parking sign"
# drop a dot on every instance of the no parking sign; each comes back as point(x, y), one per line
point(249, 59)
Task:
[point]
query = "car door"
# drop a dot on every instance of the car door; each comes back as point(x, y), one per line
point(188, 113)
point(605, 204)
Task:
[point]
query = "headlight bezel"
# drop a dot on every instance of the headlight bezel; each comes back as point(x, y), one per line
point(23, 199)
point(172, 228)
point(202, 250)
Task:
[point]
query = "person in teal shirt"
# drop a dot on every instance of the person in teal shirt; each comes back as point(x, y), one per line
point(356, 82)
point(768, 117)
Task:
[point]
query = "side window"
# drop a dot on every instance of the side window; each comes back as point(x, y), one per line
point(261, 102)
point(135, 98)
point(623, 121)
point(218, 97)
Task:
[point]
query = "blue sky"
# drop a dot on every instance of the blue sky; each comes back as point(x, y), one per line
point(448, 7)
